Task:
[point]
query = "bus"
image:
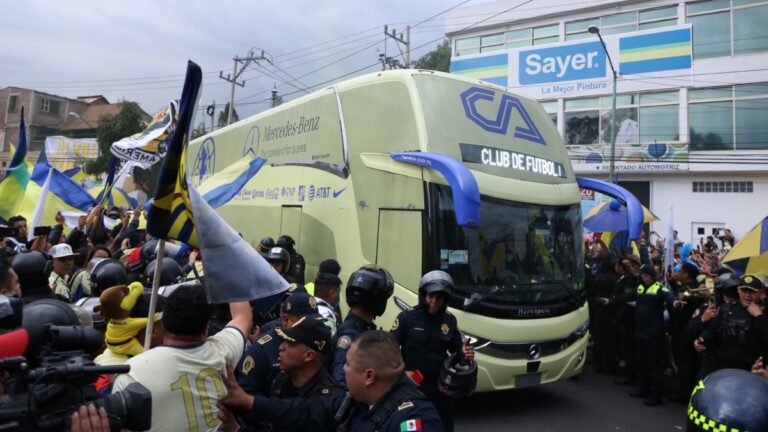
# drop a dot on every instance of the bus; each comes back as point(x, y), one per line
point(418, 170)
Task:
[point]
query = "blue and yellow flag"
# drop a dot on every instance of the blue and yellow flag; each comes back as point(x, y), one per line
point(105, 196)
point(14, 185)
point(170, 215)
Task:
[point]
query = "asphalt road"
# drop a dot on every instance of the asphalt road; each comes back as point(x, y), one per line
point(590, 403)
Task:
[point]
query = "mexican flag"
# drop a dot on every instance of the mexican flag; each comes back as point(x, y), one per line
point(410, 425)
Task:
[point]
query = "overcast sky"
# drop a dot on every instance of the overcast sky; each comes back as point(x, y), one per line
point(137, 50)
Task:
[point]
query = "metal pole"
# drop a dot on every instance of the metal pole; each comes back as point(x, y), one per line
point(232, 93)
point(153, 298)
point(612, 172)
point(407, 47)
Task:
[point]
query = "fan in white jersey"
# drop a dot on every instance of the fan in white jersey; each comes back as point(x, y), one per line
point(184, 374)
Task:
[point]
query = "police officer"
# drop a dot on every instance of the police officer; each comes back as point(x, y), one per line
point(368, 290)
point(297, 266)
point(106, 273)
point(686, 288)
point(34, 270)
point(265, 245)
point(651, 298)
point(729, 400)
point(740, 330)
point(380, 398)
point(427, 334)
point(280, 259)
point(260, 363)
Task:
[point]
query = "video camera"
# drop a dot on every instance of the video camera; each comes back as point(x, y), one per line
point(51, 375)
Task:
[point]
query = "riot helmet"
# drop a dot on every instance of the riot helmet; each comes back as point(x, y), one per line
point(105, 273)
point(266, 244)
point(729, 399)
point(728, 284)
point(436, 281)
point(285, 241)
point(149, 251)
point(33, 269)
point(457, 379)
point(170, 272)
point(279, 255)
point(370, 286)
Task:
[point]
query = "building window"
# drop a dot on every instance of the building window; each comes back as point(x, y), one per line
point(582, 121)
point(659, 117)
point(723, 187)
point(715, 33)
point(49, 106)
point(546, 34)
point(13, 103)
point(551, 108)
point(509, 40)
point(467, 46)
point(729, 118)
point(623, 22)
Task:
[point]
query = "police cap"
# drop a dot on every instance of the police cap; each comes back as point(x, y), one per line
point(310, 330)
point(299, 304)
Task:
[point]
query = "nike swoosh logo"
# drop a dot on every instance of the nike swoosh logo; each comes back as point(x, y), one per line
point(337, 193)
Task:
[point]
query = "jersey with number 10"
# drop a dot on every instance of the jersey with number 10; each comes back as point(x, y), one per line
point(185, 381)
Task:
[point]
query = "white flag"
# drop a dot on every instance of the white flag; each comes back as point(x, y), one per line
point(37, 216)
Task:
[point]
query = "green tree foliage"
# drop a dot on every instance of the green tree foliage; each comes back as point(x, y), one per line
point(130, 120)
point(438, 59)
point(111, 129)
point(224, 115)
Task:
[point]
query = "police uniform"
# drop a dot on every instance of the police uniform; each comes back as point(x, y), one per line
point(738, 337)
point(425, 342)
point(260, 364)
point(348, 331)
point(402, 408)
point(649, 335)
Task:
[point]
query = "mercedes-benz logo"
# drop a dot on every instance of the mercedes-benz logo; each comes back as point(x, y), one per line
point(534, 352)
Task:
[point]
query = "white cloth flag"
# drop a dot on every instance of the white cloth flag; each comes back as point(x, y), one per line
point(37, 216)
point(234, 271)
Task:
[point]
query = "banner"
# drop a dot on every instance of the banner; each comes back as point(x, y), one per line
point(66, 153)
point(148, 147)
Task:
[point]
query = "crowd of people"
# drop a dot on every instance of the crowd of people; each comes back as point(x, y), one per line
point(301, 366)
point(661, 329)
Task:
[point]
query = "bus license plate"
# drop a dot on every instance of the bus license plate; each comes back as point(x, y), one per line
point(528, 380)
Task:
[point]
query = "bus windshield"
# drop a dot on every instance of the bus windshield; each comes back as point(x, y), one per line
point(522, 256)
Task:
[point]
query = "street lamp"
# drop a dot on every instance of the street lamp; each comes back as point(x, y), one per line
point(612, 166)
point(74, 114)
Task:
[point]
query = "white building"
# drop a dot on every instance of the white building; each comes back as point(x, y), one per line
point(692, 94)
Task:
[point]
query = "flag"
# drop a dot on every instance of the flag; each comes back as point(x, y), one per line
point(37, 217)
point(234, 271)
point(147, 147)
point(224, 185)
point(14, 184)
point(669, 245)
point(105, 195)
point(178, 208)
point(63, 194)
point(169, 214)
point(413, 425)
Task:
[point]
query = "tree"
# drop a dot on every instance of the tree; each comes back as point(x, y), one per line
point(224, 116)
point(438, 59)
point(111, 129)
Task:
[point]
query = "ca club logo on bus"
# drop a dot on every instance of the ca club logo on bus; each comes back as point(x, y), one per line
point(205, 162)
point(508, 104)
point(562, 63)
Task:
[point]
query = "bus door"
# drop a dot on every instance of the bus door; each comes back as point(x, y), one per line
point(290, 223)
point(399, 245)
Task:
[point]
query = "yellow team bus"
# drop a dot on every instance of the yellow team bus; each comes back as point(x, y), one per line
point(417, 171)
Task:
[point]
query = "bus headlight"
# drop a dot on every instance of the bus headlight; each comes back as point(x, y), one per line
point(581, 331)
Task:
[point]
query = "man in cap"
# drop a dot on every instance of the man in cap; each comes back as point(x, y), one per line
point(302, 360)
point(260, 362)
point(63, 266)
point(651, 299)
point(380, 396)
point(740, 330)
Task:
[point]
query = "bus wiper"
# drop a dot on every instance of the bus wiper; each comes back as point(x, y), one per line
point(567, 289)
point(477, 297)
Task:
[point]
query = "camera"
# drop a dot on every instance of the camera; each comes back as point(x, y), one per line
point(6, 231)
point(42, 231)
point(56, 375)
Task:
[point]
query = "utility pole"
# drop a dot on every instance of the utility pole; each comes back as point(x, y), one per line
point(243, 62)
point(406, 41)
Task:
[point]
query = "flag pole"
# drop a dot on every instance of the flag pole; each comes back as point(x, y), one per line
point(153, 298)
